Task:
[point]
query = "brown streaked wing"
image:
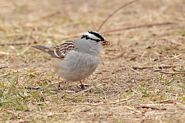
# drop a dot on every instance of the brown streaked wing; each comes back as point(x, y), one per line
point(61, 50)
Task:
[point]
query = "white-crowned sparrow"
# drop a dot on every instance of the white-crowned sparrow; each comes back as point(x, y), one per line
point(78, 59)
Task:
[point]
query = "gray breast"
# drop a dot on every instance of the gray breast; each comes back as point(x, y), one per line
point(77, 66)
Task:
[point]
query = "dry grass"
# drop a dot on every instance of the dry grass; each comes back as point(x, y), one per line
point(141, 78)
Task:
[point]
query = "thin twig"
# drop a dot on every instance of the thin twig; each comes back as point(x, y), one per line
point(2, 67)
point(173, 73)
point(114, 12)
point(82, 91)
point(151, 67)
point(168, 101)
point(87, 89)
point(17, 44)
point(121, 101)
point(139, 26)
point(33, 88)
point(150, 107)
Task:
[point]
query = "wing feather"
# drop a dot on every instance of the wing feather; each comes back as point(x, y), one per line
point(58, 51)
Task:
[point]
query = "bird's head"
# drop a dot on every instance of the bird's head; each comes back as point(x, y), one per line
point(94, 36)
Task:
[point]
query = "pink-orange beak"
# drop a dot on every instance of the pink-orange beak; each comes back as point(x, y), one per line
point(105, 42)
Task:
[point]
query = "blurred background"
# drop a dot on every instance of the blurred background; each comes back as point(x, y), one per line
point(146, 49)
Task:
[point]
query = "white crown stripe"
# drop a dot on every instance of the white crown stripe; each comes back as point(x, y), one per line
point(92, 36)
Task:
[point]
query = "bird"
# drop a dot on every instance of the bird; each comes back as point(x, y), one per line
point(76, 60)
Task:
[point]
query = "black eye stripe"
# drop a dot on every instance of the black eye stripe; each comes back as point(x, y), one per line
point(87, 37)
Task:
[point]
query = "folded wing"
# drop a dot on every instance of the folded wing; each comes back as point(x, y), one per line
point(59, 51)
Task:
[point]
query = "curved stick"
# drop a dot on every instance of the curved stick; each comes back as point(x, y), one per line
point(108, 17)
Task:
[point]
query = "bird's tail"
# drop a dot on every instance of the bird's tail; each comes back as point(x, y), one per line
point(44, 49)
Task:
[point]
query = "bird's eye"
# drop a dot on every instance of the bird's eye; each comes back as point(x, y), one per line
point(83, 36)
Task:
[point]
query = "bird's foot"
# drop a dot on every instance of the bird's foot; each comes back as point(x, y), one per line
point(83, 86)
point(59, 87)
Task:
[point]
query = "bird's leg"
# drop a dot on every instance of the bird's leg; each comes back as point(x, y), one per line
point(82, 85)
point(59, 84)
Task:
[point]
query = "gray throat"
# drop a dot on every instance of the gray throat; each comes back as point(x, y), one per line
point(88, 46)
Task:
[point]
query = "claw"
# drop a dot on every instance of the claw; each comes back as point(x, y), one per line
point(82, 85)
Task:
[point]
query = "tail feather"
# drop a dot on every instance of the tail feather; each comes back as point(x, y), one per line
point(44, 49)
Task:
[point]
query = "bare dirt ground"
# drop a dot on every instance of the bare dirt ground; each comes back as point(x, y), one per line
point(141, 77)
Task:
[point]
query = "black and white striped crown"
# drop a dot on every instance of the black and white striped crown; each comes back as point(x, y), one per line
point(93, 36)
